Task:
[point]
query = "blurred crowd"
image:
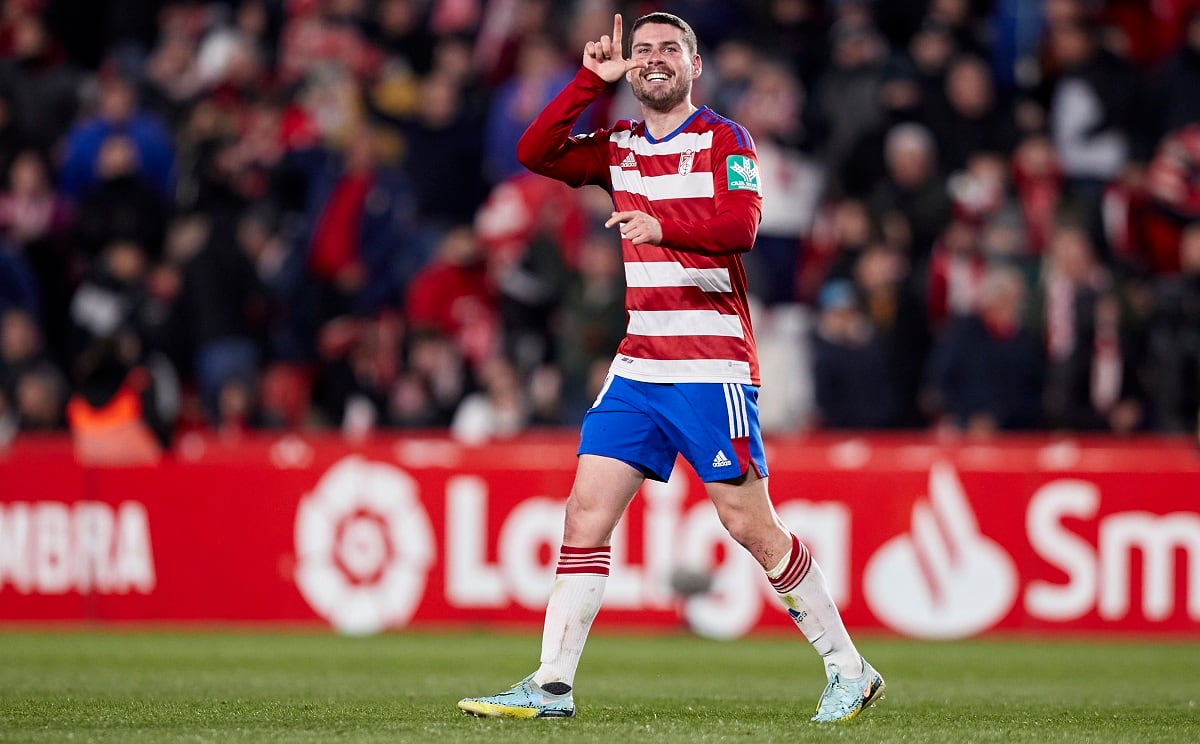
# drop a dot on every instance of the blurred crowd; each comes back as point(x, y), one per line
point(978, 215)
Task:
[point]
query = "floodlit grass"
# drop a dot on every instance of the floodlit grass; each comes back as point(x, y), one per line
point(402, 687)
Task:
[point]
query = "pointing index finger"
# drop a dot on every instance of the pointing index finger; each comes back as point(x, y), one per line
point(618, 217)
point(618, 36)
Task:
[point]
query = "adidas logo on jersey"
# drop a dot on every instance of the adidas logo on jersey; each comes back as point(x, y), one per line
point(630, 161)
point(721, 461)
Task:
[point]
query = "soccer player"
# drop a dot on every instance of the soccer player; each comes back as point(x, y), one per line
point(684, 183)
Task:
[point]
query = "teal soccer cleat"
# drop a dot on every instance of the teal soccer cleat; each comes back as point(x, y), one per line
point(524, 700)
point(844, 699)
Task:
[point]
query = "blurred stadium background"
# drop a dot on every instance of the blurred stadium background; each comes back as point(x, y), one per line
point(288, 339)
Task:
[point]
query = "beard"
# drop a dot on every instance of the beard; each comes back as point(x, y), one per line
point(659, 97)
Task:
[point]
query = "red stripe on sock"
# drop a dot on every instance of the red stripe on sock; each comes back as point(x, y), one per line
point(797, 568)
point(572, 560)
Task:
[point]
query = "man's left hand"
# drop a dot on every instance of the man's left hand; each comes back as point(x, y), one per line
point(637, 227)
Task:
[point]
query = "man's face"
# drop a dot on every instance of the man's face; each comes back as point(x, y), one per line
point(666, 80)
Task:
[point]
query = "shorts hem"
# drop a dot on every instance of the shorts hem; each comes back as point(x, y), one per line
point(644, 470)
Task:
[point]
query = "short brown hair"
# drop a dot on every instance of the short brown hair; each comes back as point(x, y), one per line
point(669, 19)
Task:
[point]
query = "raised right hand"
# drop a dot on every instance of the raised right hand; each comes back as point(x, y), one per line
point(606, 57)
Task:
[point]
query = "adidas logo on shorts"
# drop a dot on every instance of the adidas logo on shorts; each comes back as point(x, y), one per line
point(721, 461)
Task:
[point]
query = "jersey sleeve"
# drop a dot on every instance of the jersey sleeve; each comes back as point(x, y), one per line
point(547, 147)
point(737, 199)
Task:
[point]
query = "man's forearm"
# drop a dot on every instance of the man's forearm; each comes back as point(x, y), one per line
point(547, 147)
point(728, 232)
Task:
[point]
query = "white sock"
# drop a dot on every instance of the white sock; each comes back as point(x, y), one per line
point(802, 589)
point(574, 601)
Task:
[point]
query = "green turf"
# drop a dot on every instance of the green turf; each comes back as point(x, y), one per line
point(301, 687)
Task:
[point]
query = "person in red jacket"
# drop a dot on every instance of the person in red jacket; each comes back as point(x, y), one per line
point(686, 197)
point(452, 296)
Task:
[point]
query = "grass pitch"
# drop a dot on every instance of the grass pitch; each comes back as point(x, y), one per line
point(402, 687)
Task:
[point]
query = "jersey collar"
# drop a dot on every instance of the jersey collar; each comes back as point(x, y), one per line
point(678, 129)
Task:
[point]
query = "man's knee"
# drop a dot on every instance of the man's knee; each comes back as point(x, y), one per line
point(587, 523)
point(743, 525)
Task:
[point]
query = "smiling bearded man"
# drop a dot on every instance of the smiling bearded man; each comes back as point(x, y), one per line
point(684, 184)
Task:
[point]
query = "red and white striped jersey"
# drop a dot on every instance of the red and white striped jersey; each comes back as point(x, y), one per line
point(689, 320)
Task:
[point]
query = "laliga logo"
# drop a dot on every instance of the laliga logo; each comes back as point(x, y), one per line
point(946, 579)
point(363, 546)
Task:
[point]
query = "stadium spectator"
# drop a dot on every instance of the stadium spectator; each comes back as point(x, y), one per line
point(531, 229)
point(21, 347)
point(792, 184)
point(1038, 181)
point(37, 224)
point(1171, 82)
point(171, 82)
point(985, 370)
point(973, 118)
point(499, 411)
point(32, 214)
point(888, 292)
point(443, 373)
point(916, 81)
point(116, 416)
point(1093, 114)
point(1080, 316)
point(540, 73)
point(120, 205)
point(224, 311)
point(117, 113)
point(967, 29)
point(852, 375)
point(318, 34)
point(1173, 189)
point(11, 141)
point(18, 283)
point(113, 298)
point(359, 217)
point(443, 146)
point(591, 322)
point(793, 31)
point(32, 384)
point(38, 83)
point(400, 29)
point(39, 397)
point(454, 297)
point(913, 197)
point(841, 231)
point(956, 269)
point(1174, 340)
point(362, 361)
point(232, 54)
point(845, 105)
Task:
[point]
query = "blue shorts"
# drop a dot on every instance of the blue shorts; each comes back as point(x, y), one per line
point(714, 425)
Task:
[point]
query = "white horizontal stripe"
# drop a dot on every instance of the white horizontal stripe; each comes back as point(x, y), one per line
point(673, 274)
point(655, 188)
point(682, 370)
point(682, 142)
point(684, 323)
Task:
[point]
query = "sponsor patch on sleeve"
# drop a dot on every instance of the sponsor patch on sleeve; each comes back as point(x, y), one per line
point(741, 172)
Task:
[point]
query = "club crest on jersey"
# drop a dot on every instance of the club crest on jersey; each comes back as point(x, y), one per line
point(741, 172)
point(685, 161)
